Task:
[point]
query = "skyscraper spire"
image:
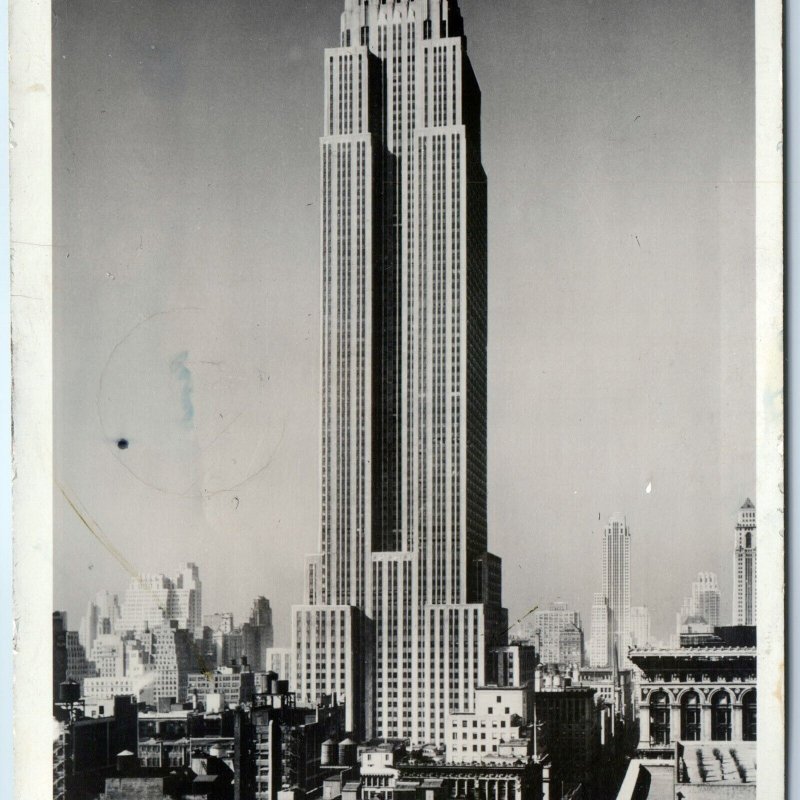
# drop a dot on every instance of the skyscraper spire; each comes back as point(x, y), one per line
point(403, 591)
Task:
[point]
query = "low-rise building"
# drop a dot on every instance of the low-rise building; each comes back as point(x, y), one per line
point(500, 715)
point(235, 683)
point(378, 765)
point(279, 745)
point(498, 779)
point(99, 693)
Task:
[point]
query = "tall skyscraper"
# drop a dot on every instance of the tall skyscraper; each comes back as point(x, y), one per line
point(705, 598)
point(744, 566)
point(403, 601)
point(601, 632)
point(617, 582)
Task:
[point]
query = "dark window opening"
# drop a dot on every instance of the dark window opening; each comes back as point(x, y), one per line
point(690, 717)
point(659, 719)
point(749, 713)
point(721, 717)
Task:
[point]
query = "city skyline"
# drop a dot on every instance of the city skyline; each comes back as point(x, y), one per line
point(557, 257)
point(705, 593)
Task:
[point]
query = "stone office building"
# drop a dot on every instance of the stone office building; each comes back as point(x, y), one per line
point(702, 692)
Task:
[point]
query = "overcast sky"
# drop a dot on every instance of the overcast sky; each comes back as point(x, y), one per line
point(619, 145)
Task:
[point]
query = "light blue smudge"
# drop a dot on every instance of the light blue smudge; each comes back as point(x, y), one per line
point(184, 375)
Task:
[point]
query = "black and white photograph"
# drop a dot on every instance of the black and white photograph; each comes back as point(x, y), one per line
point(415, 409)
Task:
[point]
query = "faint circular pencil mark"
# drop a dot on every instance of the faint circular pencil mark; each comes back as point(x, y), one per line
point(186, 386)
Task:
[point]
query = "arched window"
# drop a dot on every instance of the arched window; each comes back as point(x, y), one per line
point(690, 717)
point(659, 718)
point(749, 712)
point(721, 717)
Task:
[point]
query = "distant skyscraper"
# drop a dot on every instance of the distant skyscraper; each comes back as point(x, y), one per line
point(548, 627)
point(744, 567)
point(403, 601)
point(101, 617)
point(189, 599)
point(601, 633)
point(640, 626)
point(257, 634)
point(78, 667)
point(685, 613)
point(705, 598)
point(617, 582)
point(152, 600)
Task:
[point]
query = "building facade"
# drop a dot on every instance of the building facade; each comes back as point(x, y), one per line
point(101, 618)
point(617, 583)
point(235, 684)
point(744, 566)
point(640, 626)
point(403, 596)
point(278, 745)
point(548, 628)
point(695, 694)
point(173, 655)
point(152, 600)
point(513, 665)
point(280, 660)
point(499, 718)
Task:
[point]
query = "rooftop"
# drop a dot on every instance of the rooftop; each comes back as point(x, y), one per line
point(717, 762)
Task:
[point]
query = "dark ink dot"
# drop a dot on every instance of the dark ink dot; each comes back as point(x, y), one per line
point(122, 444)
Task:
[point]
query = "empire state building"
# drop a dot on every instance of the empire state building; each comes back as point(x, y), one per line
point(402, 604)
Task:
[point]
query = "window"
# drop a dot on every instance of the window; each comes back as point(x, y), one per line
point(690, 717)
point(749, 716)
point(659, 718)
point(721, 717)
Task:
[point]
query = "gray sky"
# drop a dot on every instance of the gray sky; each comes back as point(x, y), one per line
point(618, 140)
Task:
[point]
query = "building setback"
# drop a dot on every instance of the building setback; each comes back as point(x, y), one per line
point(403, 601)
